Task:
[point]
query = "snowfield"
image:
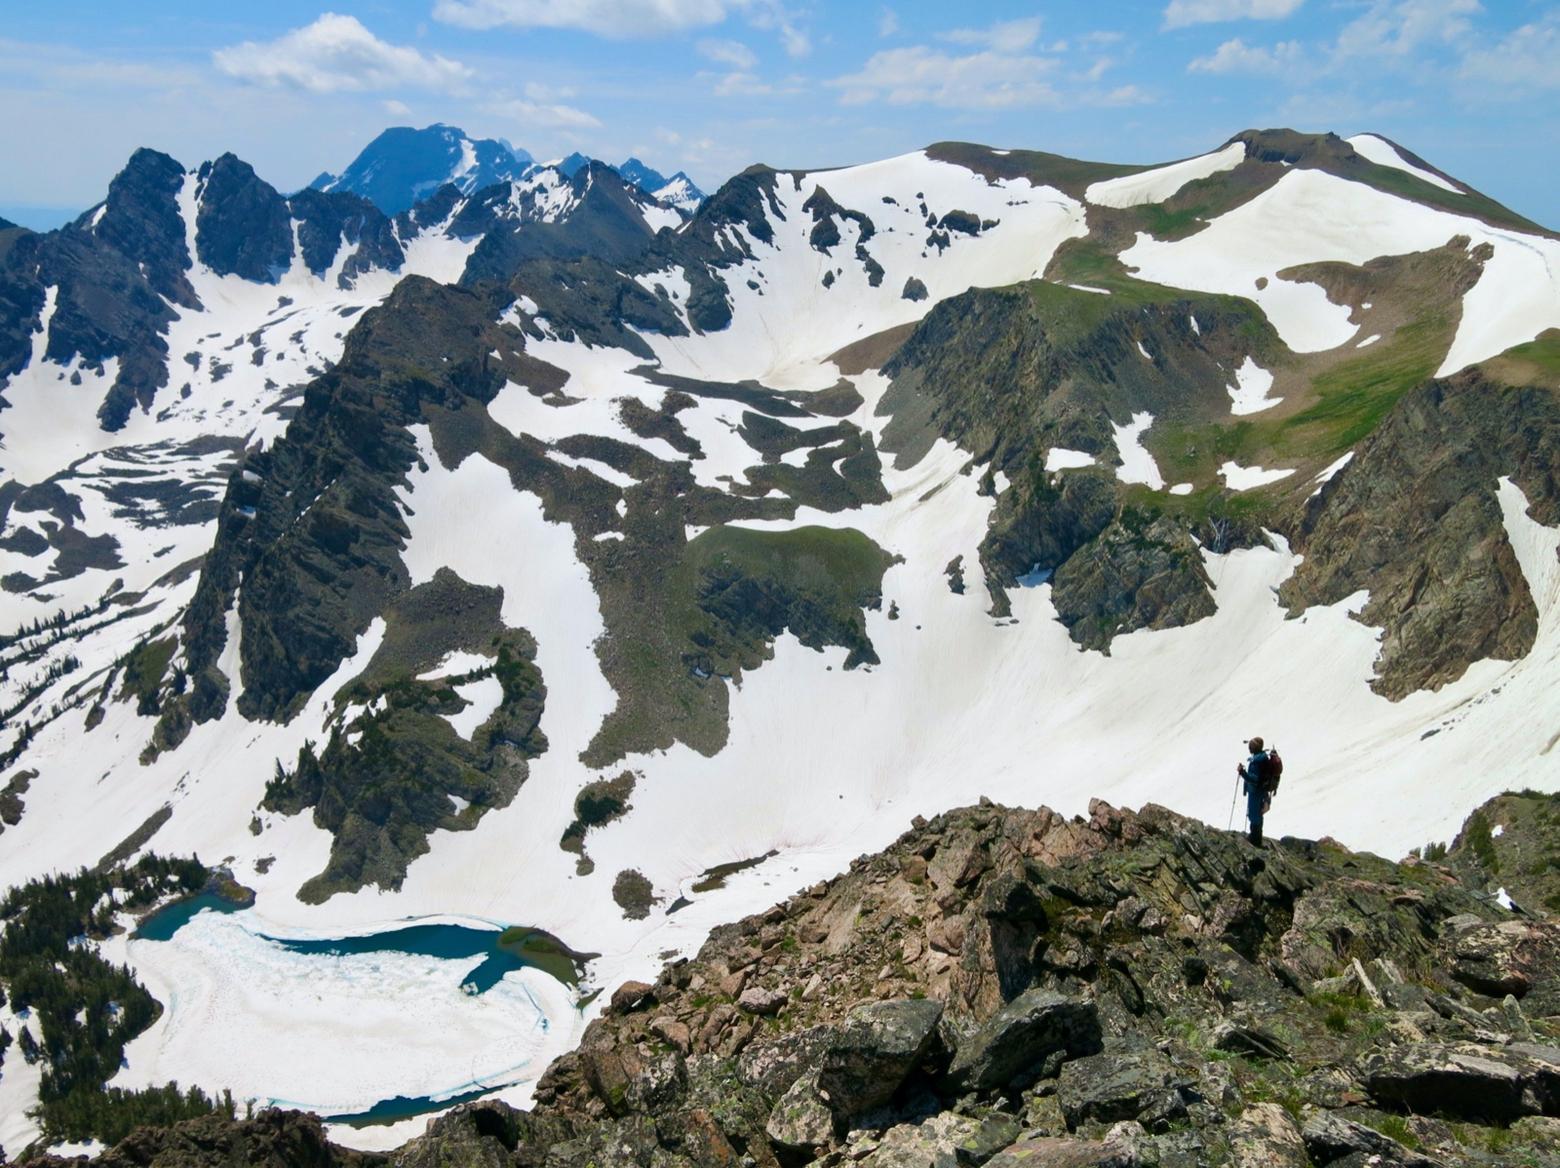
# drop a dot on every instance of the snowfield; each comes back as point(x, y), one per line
point(1310, 216)
point(1160, 183)
point(822, 763)
point(1383, 153)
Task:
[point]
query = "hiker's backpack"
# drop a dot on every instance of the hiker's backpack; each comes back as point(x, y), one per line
point(1272, 772)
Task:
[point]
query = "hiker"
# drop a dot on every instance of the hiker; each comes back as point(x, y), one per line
point(1254, 773)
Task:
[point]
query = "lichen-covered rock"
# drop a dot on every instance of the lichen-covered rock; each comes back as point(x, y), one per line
point(1462, 1080)
point(876, 1049)
point(1063, 1152)
point(1019, 1038)
point(1118, 1085)
point(1507, 957)
point(801, 1121)
point(932, 1143)
point(1332, 1139)
point(1266, 1137)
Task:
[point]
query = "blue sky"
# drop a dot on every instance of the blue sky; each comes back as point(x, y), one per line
point(711, 86)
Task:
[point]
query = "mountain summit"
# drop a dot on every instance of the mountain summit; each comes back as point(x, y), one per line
point(403, 166)
point(679, 190)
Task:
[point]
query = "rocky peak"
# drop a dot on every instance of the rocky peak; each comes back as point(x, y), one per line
point(141, 220)
point(243, 227)
point(1292, 146)
point(327, 222)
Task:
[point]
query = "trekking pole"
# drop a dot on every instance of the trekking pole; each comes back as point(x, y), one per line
point(1234, 799)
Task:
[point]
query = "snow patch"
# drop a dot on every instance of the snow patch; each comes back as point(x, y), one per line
point(1249, 393)
point(1159, 184)
point(1137, 464)
point(1310, 216)
point(1326, 476)
point(1060, 458)
point(482, 696)
point(1245, 478)
point(1383, 153)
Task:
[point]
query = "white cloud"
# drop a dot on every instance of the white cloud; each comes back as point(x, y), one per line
point(773, 15)
point(538, 91)
point(1524, 61)
point(625, 19)
point(544, 115)
point(1009, 70)
point(921, 75)
point(1236, 56)
point(888, 22)
point(741, 84)
point(335, 54)
point(733, 53)
point(609, 18)
point(397, 109)
point(1403, 27)
point(1007, 36)
point(1180, 13)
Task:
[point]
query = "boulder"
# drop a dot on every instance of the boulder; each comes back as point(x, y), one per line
point(875, 1051)
point(1505, 958)
point(932, 1143)
point(1118, 1085)
point(801, 1122)
point(484, 1134)
point(774, 1064)
point(1019, 1037)
point(995, 1132)
point(1451, 1079)
point(672, 1032)
point(1064, 1152)
point(1265, 1137)
point(761, 1001)
point(630, 996)
point(1330, 1138)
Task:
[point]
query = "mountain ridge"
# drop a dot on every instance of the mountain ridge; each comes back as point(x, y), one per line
point(1009, 986)
point(403, 166)
point(579, 510)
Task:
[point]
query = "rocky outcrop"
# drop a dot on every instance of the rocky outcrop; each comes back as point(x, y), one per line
point(1011, 374)
point(1413, 519)
point(328, 223)
point(1139, 573)
point(242, 227)
point(1013, 988)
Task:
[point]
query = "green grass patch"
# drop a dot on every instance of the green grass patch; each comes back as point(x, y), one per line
point(1399, 182)
point(145, 667)
point(1353, 397)
point(714, 611)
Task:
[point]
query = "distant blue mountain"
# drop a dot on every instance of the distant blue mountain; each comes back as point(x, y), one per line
point(404, 165)
point(678, 190)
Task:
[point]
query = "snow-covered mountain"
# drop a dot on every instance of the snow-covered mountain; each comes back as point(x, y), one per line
point(538, 558)
point(403, 166)
point(679, 191)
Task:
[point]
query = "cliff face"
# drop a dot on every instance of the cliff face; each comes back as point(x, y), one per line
point(1010, 987)
point(1414, 519)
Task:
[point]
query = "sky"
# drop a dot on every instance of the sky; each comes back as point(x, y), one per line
point(711, 86)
